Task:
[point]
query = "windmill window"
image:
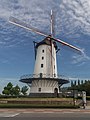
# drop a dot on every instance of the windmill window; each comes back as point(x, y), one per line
point(54, 66)
point(42, 58)
point(42, 51)
point(54, 75)
point(39, 89)
point(41, 65)
point(41, 75)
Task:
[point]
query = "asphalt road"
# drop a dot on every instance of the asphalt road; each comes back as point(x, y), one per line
point(45, 115)
point(48, 116)
point(54, 116)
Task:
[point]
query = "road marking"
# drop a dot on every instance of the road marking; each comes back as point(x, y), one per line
point(14, 115)
point(8, 114)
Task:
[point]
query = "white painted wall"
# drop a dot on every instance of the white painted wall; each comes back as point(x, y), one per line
point(47, 86)
point(48, 70)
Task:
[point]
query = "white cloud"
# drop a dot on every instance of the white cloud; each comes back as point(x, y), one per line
point(71, 16)
point(70, 13)
point(81, 59)
point(77, 13)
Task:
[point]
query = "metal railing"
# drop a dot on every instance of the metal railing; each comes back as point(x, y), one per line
point(43, 76)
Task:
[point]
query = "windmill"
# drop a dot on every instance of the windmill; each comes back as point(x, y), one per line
point(45, 78)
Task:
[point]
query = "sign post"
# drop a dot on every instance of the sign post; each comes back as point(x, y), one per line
point(84, 99)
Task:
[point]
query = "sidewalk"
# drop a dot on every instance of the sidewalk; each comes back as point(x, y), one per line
point(87, 110)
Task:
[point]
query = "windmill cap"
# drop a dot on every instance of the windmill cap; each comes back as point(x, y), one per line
point(46, 41)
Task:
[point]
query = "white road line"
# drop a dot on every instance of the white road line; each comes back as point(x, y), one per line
point(14, 115)
point(8, 114)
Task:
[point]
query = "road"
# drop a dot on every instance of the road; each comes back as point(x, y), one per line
point(44, 114)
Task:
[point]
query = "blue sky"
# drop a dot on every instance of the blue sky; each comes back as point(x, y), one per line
point(72, 24)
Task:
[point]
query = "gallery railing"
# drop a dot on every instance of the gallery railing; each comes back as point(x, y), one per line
point(43, 76)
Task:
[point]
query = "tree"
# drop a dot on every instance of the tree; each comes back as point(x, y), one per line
point(24, 90)
point(11, 90)
point(9, 86)
point(5, 92)
point(82, 82)
point(15, 91)
point(78, 82)
point(84, 86)
point(71, 83)
point(7, 89)
point(75, 83)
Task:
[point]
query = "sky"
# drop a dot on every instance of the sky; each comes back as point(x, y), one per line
point(71, 24)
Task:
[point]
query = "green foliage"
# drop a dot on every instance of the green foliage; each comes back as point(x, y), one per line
point(24, 90)
point(84, 86)
point(38, 106)
point(71, 83)
point(7, 90)
point(78, 82)
point(15, 90)
point(11, 90)
point(9, 86)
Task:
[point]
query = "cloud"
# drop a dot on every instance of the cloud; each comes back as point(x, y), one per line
point(81, 59)
point(69, 13)
point(76, 14)
point(72, 17)
point(31, 12)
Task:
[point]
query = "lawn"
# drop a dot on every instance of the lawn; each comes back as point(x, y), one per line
point(37, 103)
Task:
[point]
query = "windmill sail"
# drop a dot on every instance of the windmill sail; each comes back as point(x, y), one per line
point(67, 44)
point(17, 22)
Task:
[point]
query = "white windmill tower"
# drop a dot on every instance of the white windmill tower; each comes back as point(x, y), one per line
point(45, 78)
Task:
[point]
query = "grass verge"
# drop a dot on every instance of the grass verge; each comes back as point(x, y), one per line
point(36, 106)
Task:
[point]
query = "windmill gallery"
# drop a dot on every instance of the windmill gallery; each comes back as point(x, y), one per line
point(44, 80)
